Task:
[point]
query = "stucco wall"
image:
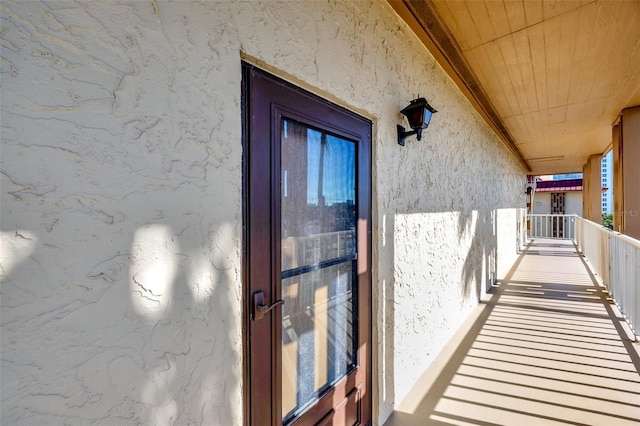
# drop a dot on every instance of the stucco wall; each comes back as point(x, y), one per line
point(121, 200)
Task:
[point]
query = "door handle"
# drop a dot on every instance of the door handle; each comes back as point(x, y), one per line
point(259, 308)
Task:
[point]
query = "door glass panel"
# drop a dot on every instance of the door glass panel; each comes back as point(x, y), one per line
point(318, 257)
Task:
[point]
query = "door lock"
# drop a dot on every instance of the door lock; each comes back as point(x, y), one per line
point(259, 308)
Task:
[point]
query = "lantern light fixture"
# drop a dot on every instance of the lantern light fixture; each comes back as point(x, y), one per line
point(418, 113)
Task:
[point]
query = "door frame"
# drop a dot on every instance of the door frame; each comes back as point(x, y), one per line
point(364, 262)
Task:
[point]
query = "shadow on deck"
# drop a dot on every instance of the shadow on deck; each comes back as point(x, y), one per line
point(546, 347)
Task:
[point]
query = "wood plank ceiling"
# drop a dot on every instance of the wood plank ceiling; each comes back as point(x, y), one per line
point(551, 77)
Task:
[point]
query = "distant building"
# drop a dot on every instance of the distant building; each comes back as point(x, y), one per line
point(607, 182)
point(558, 197)
point(568, 176)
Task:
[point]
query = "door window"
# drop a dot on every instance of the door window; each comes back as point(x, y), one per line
point(319, 252)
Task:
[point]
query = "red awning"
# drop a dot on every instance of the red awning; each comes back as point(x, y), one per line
point(564, 189)
point(560, 189)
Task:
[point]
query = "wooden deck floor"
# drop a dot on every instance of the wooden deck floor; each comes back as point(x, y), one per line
point(546, 348)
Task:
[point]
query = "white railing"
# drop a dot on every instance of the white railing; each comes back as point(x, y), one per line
point(312, 249)
point(616, 259)
point(552, 226)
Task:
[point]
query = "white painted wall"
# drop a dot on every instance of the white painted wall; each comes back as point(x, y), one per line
point(542, 203)
point(121, 200)
point(572, 203)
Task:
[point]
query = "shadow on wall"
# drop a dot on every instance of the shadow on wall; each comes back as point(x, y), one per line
point(480, 264)
point(148, 336)
point(184, 296)
point(442, 263)
point(121, 214)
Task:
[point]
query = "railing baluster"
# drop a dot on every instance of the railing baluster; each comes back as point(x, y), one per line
point(561, 226)
point(615, 258)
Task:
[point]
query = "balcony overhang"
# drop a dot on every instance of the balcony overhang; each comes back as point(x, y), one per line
point(550, 78)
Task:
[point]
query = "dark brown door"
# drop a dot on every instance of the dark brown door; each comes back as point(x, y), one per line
point(557, 207)
point(307, 259)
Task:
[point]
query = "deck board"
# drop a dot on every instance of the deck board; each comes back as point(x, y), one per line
point(546, 347)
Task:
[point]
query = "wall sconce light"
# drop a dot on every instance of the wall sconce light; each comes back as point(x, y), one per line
point(418, 114)
point(529, 188)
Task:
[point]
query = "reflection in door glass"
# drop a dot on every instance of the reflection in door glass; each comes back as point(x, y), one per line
point(318, 173)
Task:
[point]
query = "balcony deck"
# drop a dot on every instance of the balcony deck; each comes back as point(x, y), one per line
point(546, 347)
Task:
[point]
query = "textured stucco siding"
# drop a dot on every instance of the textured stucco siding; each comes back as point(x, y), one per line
point(121, 210)
point(121, 203)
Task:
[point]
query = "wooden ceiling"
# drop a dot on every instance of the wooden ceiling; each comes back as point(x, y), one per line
point(550, 77)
